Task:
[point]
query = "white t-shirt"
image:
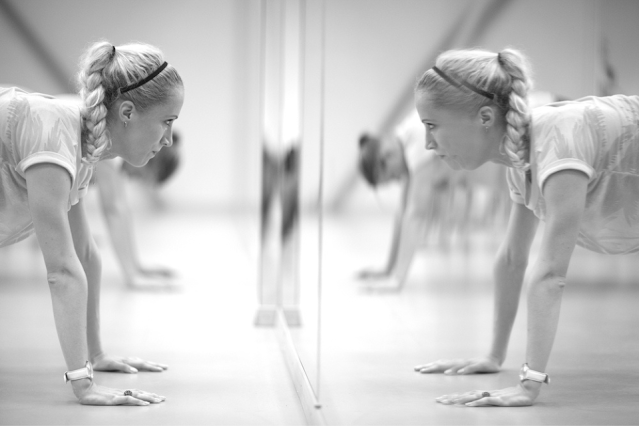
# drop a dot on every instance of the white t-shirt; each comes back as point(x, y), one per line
point(599, 137)
point(34, 129)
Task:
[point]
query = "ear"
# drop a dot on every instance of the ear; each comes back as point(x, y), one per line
point(126, 110)
point(486, 116)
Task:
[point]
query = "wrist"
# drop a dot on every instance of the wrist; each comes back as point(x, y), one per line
point(96, 356)
point(497, 359)
point(531, 387)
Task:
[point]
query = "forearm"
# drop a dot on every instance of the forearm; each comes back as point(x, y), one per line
point(544, 303)
point(93, 270)
point(508, 283)
point(410, 233)
point(68, 288)
point(392, 255)
point(121, 235)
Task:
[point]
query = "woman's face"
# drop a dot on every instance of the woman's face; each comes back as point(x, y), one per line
point(147, 132)
point(458, 138)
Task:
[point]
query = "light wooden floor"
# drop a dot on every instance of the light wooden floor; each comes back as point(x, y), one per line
point(222, 370)
point(371, 341)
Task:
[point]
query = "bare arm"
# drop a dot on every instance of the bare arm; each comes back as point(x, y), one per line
point(117, 215)
point(509, 270)
point(119, 220)
point(68, 252)
point(565, 196)
point(48, 186)
point(90, 260)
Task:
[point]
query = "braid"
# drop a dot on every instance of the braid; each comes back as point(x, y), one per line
point(517, 140)
point(105, 69)
point(505, 75)
point(93, 94)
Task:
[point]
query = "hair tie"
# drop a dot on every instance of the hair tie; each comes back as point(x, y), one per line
point(500, 59)
point(112, 52)
point(466, 84)
point(144, 80)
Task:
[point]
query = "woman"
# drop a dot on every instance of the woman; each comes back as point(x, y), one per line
point(48, 149)
point(574, 165)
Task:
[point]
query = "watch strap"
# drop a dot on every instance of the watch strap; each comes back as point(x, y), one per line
point(528, 374)
point(85, 372)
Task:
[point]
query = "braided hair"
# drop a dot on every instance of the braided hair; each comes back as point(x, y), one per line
point(506, 75)
point(104, 70)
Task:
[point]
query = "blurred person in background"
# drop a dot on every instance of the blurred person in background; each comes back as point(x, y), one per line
point(110, 178)
point(48, 151)
point(434, 198)
point(572, 164)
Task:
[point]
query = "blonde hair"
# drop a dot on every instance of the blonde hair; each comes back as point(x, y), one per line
point(506, 75)
point(104, 70)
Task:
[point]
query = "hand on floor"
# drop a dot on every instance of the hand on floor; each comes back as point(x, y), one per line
point(385, 283)
point(125, 364)
point(461, 366)
point(517, 396)
point(157, 271)
point(152, 279)
point(100, 395)
point(372, 274)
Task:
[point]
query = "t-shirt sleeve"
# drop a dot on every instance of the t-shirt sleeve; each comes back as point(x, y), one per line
point(564, 139)
point(45, 133)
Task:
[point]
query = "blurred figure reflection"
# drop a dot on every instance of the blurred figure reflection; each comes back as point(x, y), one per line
point(111, 178)
point(435, 198)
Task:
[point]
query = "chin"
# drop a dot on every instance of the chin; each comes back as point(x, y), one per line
point(139, 162)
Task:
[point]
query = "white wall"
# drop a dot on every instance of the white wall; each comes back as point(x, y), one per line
point(375, 49)
point(212, 43)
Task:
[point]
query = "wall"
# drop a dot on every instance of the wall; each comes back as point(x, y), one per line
point(374, 50)
point(213, 44)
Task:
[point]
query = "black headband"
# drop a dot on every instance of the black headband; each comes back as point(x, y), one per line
point(466, 84)
point(145, 80)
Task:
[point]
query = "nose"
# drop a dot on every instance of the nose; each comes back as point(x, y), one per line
point(168, 138)
point(430, 142)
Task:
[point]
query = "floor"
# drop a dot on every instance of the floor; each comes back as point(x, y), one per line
point(222, 369)
point(370, 341)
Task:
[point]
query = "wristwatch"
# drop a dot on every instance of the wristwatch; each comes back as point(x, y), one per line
point(527, 374)
point(85, 372)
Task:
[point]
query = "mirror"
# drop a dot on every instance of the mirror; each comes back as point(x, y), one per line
point(292, 108)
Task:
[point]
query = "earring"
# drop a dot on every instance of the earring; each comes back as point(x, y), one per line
point(486, 129)
point(125, 123)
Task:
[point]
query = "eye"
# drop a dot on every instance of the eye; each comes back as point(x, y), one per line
point(168, 122)
point(429, 126)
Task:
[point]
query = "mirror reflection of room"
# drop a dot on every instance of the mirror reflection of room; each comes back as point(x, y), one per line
point(319, 212)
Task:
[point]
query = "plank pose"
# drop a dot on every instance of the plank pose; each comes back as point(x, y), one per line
point(48, 150)
point(573, 164)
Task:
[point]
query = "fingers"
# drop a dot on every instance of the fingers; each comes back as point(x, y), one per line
point(470, 399)
point(140, 364)
point(485, 402)
point(145, 396)
point(445, 366)
point(128, 400)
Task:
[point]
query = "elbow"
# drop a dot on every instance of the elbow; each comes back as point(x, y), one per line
point(550, 281)
point(65, 278)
